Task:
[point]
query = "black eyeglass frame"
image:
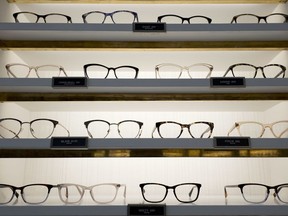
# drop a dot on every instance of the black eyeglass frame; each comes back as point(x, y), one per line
point(197, 185)
point(209, 20)
point(158, 124)
point(234, 19)
point(283, 69)
point(14, 192)
point(276, 188)
point(54, 122)
point(111, 68)
point(140, 124)
point(136, 19)
point(15, 15)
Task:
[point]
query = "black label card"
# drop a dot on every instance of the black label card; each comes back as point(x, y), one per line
point(227, 82)
point(69, 143)
point(232, 142)
point(69, 82)
point(149, 27)
point(146, 209)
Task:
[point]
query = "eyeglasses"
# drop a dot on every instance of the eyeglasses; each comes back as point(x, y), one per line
point(171, 129)
point(24, 17)
point(100, 193)
point(172, 18)
point(184, 193)
point(31, 194)
point(251, 71)
point(174, 71)
point(39, 128)
point(256, 129)
point(44, 71)
point(258, 193)
point(99, 71)
point(252, 18)
point(126, 129)
point(120, 16)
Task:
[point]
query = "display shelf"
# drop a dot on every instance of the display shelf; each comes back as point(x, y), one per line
point(177, 36)
point(121, 210)
point(153, 1)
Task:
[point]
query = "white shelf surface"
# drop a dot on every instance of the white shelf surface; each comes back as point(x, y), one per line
point(124, 32)
point(42, 85)
point(143, 143)
point(121, 210)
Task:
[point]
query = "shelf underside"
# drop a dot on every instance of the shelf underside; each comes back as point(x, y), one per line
point(121, 210)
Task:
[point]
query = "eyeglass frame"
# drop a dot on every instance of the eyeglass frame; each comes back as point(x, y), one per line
point(14, 190)
point(264, 126)
point(234, 19)
point(54, 122)
point(158, 124)
point(15, 15)
point(241, 186)
point(140, 124)
point(159, 18)
point(84, 188)
point(111, 15)
point(111, 68)
point(198, 186)
point(256, 69)
point(209, 66)
point(7, 66)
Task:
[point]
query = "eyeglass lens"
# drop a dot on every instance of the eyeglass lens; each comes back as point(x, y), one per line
point(6, 194)
point(171, 71)
point(177, 19)
point(249, 71)
point(116, 17)
point(102, 72)
point(255, 130)
point(101, 129)
point(45, 71)
point(156, 193)
point(174, 130)
point(251, 18)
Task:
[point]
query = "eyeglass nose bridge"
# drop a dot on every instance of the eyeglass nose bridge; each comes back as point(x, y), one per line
point(114, 72)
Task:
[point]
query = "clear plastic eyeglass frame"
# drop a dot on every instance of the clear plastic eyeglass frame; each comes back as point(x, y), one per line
point(11, 127)
point(13, 73)
point(251, 71)
point(100, 17)
point(38, 192)
point(199, 70)
point(36, 17)
point(258, 193)
point(178, 127)
point(99, 71)
point(129, 126)
point(180, 19)
point(73, 193)
point(278, 129)
point(184, 193)
point(252, 18)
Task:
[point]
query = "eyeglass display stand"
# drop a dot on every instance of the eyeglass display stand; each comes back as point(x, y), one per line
point(29, 35)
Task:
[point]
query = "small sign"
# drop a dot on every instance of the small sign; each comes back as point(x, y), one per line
point(232, 142)
point(69, 82)
point(146, 209)
point(227, 82)
point(149, 27)
point(69, 143)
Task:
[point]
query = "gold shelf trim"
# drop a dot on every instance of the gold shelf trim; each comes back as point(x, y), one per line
point(142, 153)
point(143, 46)
point(152, 1)
point(138, 96)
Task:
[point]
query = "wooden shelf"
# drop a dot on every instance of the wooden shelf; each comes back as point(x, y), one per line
point(153, 1)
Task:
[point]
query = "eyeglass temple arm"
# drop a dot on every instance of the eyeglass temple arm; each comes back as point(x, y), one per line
point(62, 69)
point(206, 131)
point(233, 128)
point(228, 186)
point(191, 191)
point(65, 129)
point(16, 135)
point(153, 131)
point(124, 194)
point(283, 132)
